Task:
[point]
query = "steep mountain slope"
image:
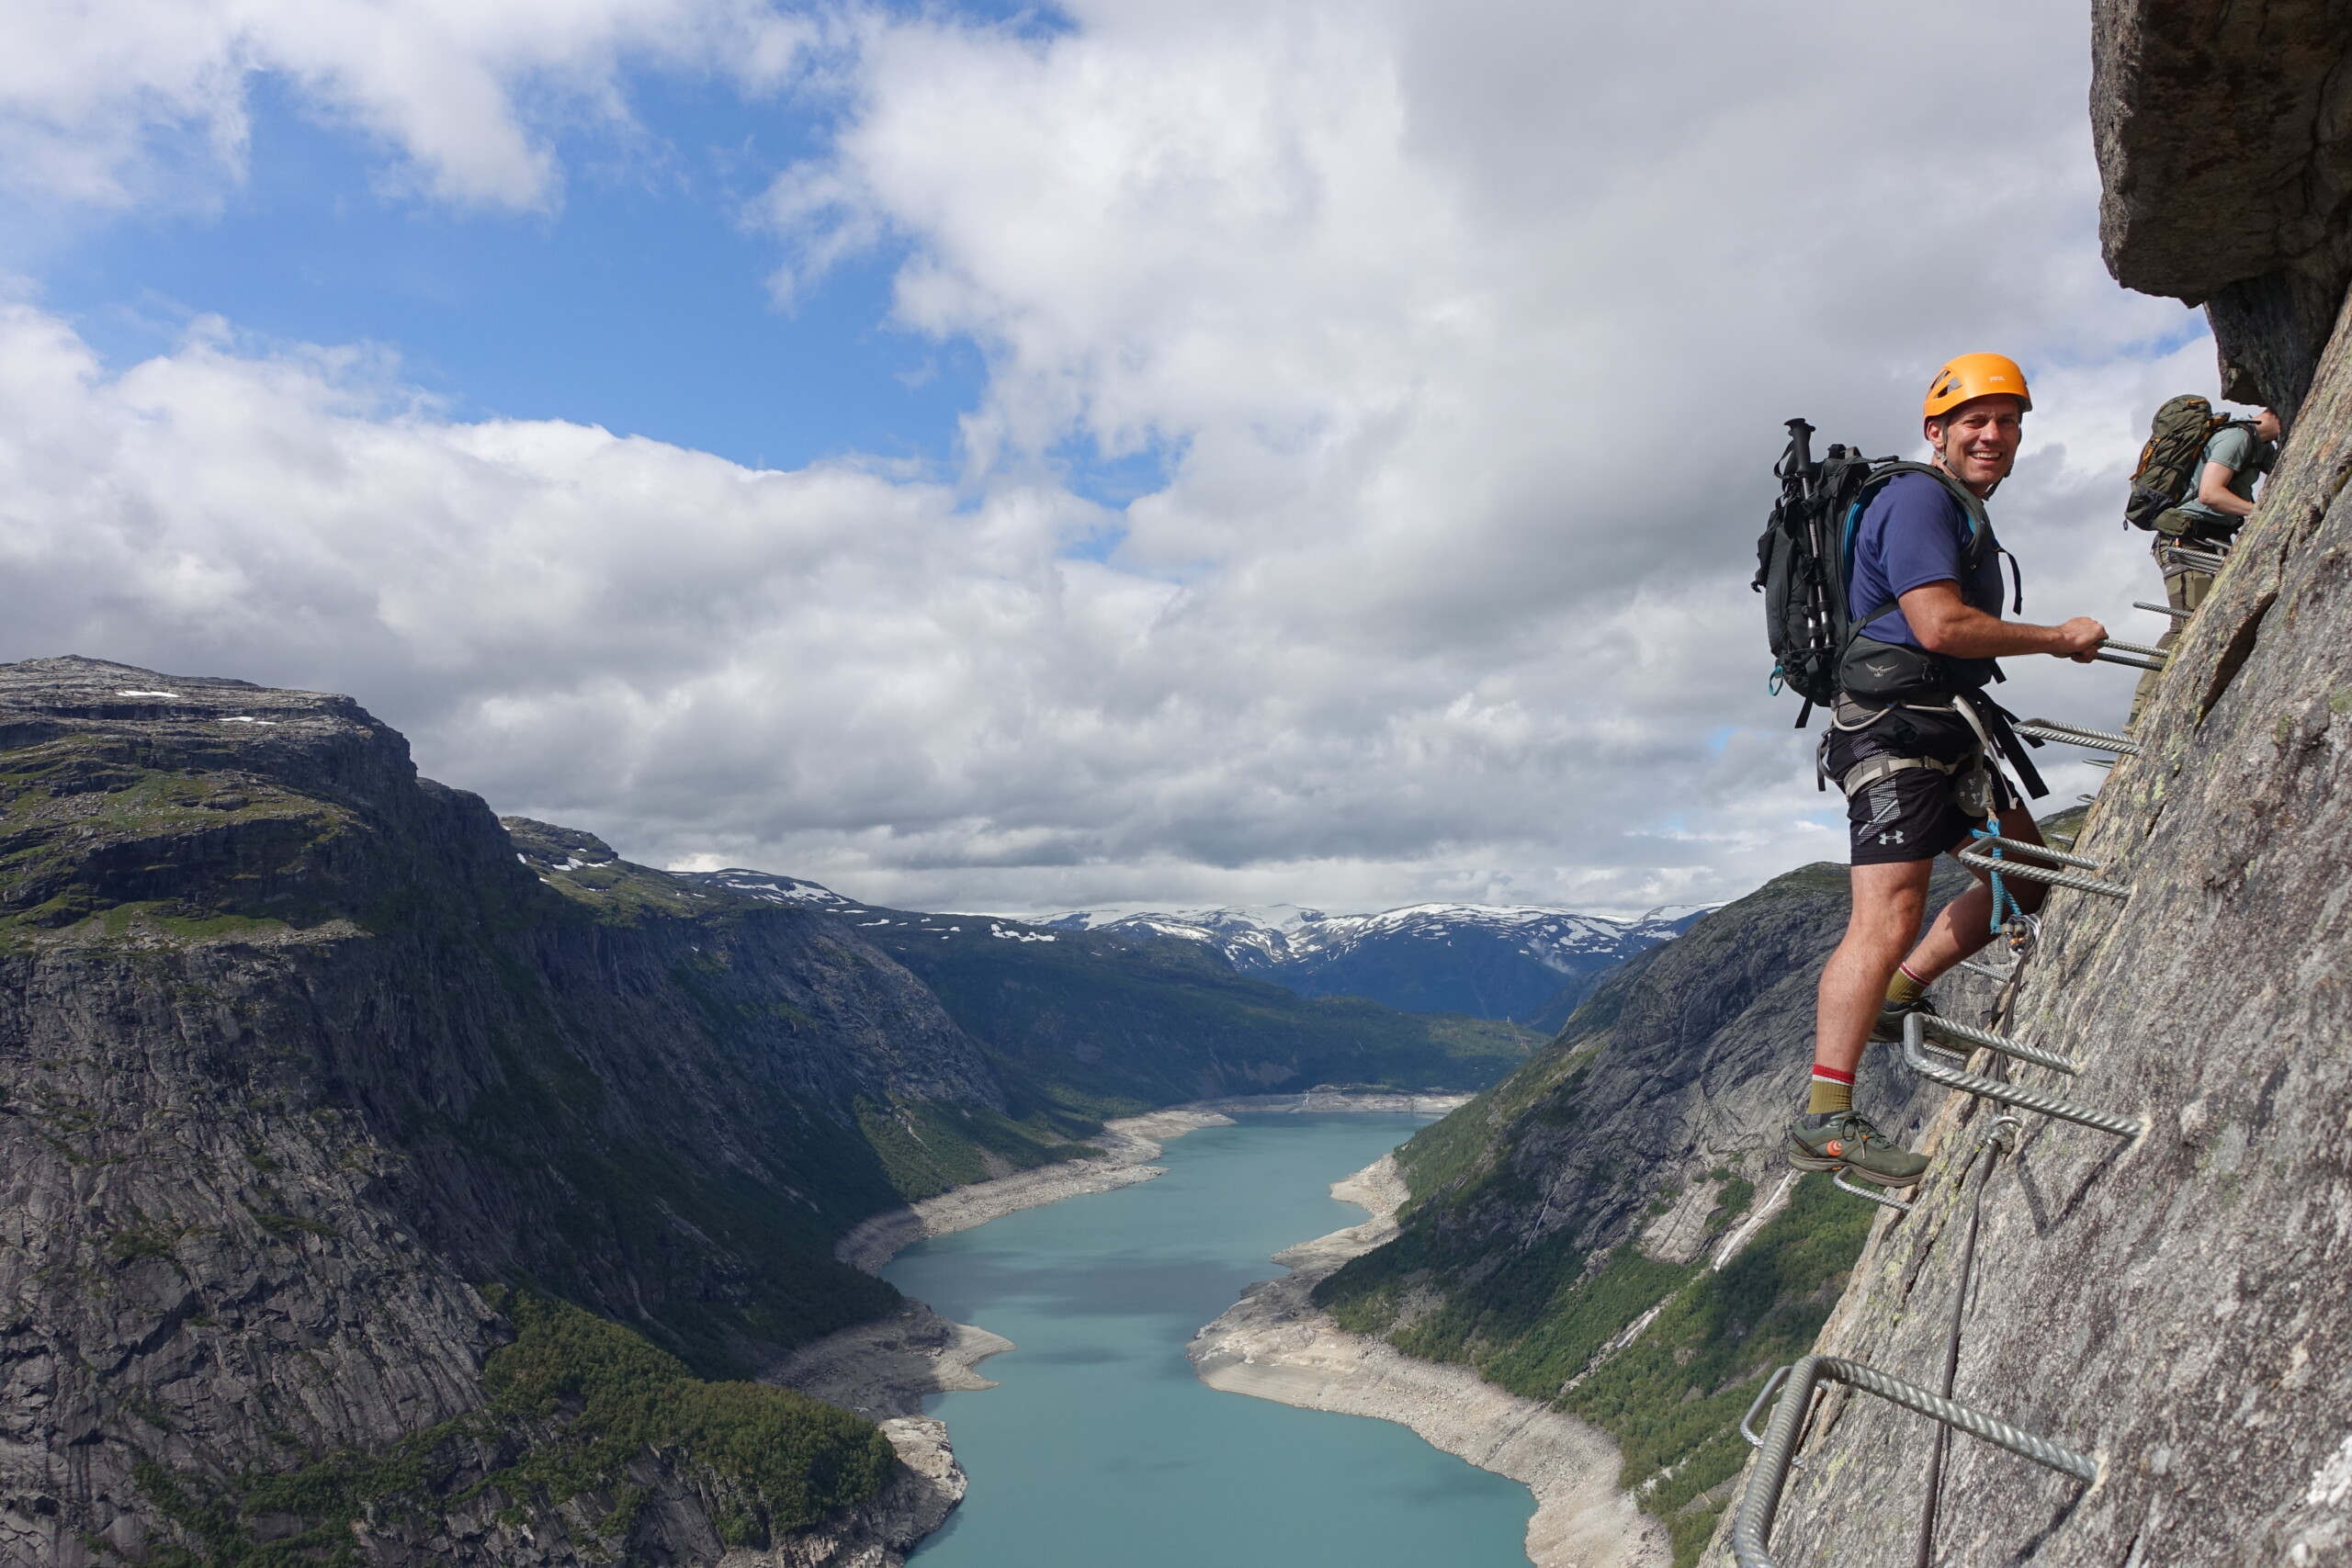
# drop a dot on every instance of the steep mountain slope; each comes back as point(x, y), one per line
point(302, 1055)
point(1527, 964)
point(2189, 1282)
point(1096, 1022)
point(1630, 1169)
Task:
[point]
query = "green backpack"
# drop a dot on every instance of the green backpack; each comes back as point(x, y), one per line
point(2169, 462)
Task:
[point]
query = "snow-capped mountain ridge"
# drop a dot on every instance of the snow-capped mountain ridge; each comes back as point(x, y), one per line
point(1525, 962)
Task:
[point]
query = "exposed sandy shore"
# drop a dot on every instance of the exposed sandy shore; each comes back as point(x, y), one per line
point(1128, 1146)
point(1275, 1344)
point(885, 1368)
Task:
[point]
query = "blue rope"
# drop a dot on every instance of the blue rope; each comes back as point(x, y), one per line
point(2002, 900)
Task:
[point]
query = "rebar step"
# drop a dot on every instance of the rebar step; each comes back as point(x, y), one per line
point(1752, 1527)
point(1916, 1054)
point(1978, 860)
point(2079, 735)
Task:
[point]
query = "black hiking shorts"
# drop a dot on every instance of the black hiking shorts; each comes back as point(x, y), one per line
point(1916, 814)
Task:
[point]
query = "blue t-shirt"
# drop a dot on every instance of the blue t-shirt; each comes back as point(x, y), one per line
point(1912, 534)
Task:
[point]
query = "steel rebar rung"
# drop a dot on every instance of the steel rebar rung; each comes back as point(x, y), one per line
point(1979, 860)
point(2079, 735)
point(1752, 1528)
point(2120, 646)
point(1914, 1052)
point(2109, 656)
point(2163, 609)
point(1875, 1196)
point(2203, 560)
point(2047, 852)
point(1952, 1028)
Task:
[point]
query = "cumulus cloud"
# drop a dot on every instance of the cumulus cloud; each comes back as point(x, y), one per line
point(1462, 334)
point(92, 90)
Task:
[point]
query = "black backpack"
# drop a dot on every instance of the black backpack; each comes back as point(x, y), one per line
point(1805, 559)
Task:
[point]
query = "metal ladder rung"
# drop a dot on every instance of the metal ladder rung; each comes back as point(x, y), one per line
point(1968, 1033)
point(1914, 1052)
point(1837, 1179)
point(2131, 660)
point(2163, 609)
point(1980, 862)
point(2079, 735)
point(1987, 970)
point(2202, 560)
point(1752, 1527)
point(2025, 847)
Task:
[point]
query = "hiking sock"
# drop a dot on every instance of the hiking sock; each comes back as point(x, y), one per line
point(1905, 988)
point(1833, 1092)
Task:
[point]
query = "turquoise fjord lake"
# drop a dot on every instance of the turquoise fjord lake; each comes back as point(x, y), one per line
point(1100, 1447)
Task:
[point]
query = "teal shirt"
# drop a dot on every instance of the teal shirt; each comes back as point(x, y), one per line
point(2247, 458)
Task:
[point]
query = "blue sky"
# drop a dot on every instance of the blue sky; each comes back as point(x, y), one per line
point(1209, 454)
point(640, 303)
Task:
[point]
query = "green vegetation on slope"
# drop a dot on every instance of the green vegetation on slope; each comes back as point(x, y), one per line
point(1673, 1398)
point(572, 1403)
point(928, 1147)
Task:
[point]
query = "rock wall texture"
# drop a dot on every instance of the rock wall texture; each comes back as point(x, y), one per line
point(2174, 1303)
point(2224, 136)
point(297, 1050)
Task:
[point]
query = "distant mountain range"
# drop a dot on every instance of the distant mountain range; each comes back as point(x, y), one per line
point(1524, 962)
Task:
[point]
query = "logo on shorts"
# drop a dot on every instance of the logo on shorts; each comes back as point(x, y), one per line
point(1894, 838)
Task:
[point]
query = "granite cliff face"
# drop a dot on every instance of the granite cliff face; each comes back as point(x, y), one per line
point(302, 1055)
point(2221, 136)
point(2174, 1303)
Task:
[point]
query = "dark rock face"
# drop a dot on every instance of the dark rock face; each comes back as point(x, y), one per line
point(2176, 1303)
point(297, 1049)
point(2225, 137)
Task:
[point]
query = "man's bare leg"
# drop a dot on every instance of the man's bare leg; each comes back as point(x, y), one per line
point(1887, 903)
point(1888, 900)
point(1965, 925)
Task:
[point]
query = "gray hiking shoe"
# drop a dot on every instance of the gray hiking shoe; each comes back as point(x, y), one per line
point(1848, 1142)
point(1889, 1027)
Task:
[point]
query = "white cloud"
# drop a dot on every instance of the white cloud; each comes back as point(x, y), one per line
point(1465, 333)
point(90, 90)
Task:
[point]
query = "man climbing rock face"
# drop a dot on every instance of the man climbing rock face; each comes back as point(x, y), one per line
point(2207, 521)
point(1910, 744)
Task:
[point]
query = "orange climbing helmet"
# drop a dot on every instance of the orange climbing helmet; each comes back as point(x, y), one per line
point(1976, 376)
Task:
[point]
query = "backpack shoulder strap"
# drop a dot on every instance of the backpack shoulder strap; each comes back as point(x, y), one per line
point(1980, 527)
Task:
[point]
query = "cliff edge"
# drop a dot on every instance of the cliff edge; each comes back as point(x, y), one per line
point(2171, 1305)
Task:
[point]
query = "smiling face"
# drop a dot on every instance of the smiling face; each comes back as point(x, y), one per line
point(1977, 441)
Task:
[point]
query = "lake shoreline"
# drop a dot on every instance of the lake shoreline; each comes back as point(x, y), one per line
point(886, 1369)
point(1275, 1344)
